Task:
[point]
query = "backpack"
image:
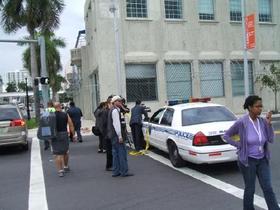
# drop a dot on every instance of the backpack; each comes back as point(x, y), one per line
point(47, 126)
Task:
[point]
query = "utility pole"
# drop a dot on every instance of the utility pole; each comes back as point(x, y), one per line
point(113, 9)
point(44, 73)
point(27, 100)
point(245, 50)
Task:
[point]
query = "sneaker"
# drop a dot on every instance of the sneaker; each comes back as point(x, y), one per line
point(127, 174)
point(80, 140)
point(61, 173)
point(116, 175)
point(109, 169)
point(104, 151)
point(66, 169)
point(100, 151)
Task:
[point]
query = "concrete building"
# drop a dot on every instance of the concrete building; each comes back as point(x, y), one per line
point(175, 49)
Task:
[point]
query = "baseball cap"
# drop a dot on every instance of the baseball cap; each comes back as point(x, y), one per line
point(116, 98)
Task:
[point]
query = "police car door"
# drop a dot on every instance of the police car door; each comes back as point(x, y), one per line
point(154, 127)
point(166, 130)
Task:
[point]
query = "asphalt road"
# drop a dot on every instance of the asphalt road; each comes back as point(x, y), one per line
point(89, 186)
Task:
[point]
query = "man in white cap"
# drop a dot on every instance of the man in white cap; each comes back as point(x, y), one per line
point(120, 166)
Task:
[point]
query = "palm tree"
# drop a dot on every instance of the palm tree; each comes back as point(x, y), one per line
point(52, 59)
point(42, 15)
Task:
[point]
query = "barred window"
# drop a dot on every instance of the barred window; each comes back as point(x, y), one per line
point(211, 79)
point(136, 8)
point(206, 9)
point(237, 78)
point(178, 80)
point(141, 82)
point(265, 11)
point(173, 9)
point(235, 10)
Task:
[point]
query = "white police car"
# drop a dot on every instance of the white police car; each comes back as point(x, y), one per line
point(192, 132)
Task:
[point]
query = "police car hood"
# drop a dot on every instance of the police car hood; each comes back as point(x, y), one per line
point(209, 129)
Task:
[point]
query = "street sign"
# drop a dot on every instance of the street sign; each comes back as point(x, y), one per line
point(250, 31)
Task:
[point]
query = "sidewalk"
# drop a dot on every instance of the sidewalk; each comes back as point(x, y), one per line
point(86, 126)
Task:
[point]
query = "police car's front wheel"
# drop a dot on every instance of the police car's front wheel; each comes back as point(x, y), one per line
point(174, 155)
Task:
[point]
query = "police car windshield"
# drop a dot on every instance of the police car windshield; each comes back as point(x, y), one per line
point(201, 115)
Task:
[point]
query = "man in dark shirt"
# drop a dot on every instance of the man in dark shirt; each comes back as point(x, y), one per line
point(75, 114)
point(136, 125)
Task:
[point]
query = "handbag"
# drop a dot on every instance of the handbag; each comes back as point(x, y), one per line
point(95, 130)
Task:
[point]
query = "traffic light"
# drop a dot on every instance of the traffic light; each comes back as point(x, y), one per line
point(36, 81)
point(44, 80)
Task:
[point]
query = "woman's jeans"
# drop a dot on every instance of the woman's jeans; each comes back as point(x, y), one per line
point(261, 169)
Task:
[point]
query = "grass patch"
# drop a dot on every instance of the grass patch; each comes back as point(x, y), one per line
point(32, 123)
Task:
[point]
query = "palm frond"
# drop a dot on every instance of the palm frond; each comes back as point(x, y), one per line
point(12, 15)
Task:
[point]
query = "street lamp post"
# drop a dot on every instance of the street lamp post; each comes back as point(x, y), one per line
point(27, 100)
point(114, 9)
point(245, 50)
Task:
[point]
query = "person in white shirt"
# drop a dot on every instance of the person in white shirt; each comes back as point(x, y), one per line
point(120, 166)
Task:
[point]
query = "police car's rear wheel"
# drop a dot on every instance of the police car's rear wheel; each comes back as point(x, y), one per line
point(174, 155)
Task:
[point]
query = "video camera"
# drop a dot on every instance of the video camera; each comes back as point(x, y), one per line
point(147, 109)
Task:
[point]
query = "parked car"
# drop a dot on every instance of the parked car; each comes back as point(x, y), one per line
point(13, 128)
point(192, 132)
point(21, 105)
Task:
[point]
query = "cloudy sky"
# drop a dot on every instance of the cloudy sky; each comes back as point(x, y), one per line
point(71, 22)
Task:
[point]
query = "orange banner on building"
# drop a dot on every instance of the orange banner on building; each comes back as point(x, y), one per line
point(250, 32)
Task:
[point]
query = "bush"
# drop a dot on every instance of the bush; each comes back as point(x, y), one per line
point(32, 123)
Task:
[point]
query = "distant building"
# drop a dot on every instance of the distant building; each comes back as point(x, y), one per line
point(18, 76)
point(1, 84)
point(175, 49)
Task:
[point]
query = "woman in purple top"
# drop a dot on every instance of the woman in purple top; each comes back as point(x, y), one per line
point(253, 154)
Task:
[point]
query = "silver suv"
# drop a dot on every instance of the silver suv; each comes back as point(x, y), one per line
point(13, 128)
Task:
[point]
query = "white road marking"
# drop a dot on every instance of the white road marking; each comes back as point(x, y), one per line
point(37, 190)
point(228, 188)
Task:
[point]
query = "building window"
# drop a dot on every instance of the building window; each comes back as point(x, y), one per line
point(136, 8)
point(211, 79)
point(178, 80)
point(235, 10)
point(141, 82)
point(206, 9)
point(237, 78)
point(265, 11)
point(173, 9)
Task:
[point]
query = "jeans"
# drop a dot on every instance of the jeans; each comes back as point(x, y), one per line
point(261, 169)
point(119, 153)
point(78, 131)
point(79, 135)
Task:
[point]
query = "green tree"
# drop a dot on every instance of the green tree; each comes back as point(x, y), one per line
point(22, 87)
point(52, 59)
point(34, 15)
point(11, 87)
point(271, 80)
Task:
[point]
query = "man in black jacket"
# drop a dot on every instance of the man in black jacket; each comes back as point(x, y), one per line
point(136, 125)
point(75, 114)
